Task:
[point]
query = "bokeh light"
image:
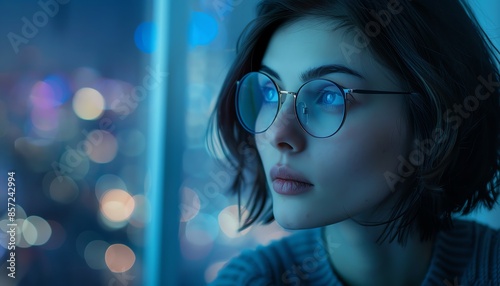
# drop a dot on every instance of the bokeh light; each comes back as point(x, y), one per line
point(119, 258)
point(88, 103)
point(110, 225)
point(83, 239)
point(52, 111)
point(117, 205)
point(190, 204)
point(102, 146)
point(107, 182)
point(20, 213)
point(45, 119)
point(95, 179)
point(212, 271)
point(63, 189)
point(29, 231)
point(229, 221)
point(4, 235)
point(42, 96)
point(60, 88)
point(202, 230)
point(94, 254)
point(203, 29)
point(36, 230)
point(141, 214)
point(44, 114)
point(20, 239)
point(145, 37)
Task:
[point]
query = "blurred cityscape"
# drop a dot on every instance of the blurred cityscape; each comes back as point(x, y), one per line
point(73, 128)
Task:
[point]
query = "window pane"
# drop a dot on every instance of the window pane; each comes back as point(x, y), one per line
point(75, 77)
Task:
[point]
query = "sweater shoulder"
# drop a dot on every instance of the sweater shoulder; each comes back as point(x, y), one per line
point(274, 264)
point(484, 243)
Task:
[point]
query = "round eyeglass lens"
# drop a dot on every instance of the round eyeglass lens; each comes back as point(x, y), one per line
point(320, 107)
point(256, 102)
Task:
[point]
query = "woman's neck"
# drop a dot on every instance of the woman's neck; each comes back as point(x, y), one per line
point(359, 260)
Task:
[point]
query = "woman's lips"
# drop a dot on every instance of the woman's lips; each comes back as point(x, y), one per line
point(288, 187)
point(287, 181)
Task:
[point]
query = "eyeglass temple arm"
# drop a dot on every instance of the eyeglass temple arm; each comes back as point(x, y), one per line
point(365, 91)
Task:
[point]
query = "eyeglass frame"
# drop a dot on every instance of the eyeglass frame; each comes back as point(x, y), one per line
point(344, 91)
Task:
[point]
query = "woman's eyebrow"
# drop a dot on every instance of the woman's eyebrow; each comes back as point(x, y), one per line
point(316, 72)
point(270, 72)
point(320, 71)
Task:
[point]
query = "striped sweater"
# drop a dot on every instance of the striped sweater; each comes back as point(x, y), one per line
point(469, 254)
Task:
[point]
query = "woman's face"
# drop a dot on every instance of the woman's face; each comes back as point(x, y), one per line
point(344, 172)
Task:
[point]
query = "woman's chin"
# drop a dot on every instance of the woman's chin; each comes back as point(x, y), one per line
point(296, 220)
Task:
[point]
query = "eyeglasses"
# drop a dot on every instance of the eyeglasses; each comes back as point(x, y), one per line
point(320, 104)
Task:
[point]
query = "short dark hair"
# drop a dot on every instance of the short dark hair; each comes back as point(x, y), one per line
point(441, 52)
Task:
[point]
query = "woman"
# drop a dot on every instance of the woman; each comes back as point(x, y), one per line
point(369, 123)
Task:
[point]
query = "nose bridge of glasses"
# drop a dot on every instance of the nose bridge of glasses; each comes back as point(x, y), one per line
point(284, 94)
point(286, 110)
point(286, 107)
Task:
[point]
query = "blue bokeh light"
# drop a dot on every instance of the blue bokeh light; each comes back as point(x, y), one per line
point(60, 88)
point(145, 37)
point(203, 29)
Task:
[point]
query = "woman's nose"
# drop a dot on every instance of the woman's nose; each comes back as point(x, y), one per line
point(285, 133)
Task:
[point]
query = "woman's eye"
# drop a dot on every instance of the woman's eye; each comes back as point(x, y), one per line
point(270, 94)
point(331, 98)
